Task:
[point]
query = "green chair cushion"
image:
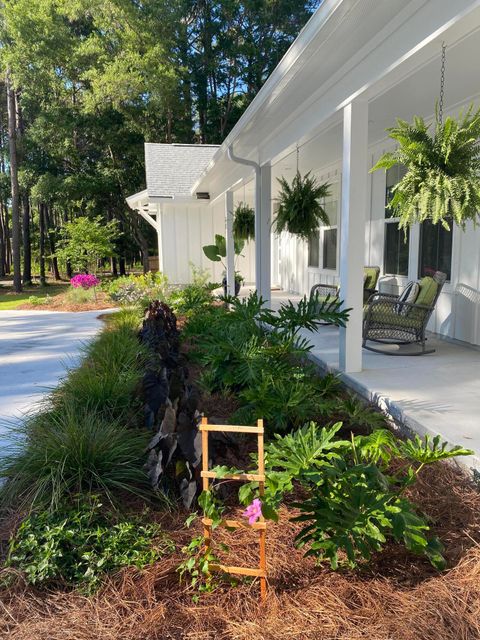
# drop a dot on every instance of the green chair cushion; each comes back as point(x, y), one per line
point(371, 277)
point(390, 318)
point(428, 291)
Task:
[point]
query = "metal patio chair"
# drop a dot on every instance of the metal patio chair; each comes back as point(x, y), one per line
point(388, 320)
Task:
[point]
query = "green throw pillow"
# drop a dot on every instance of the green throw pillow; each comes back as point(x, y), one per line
point(428, 291)
point(370, 277)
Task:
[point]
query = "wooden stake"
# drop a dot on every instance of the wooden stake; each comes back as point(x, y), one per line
point(263, 532)
point(207, 528)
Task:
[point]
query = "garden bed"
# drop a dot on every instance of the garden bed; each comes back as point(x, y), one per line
point(395, 596)
point(398, 597)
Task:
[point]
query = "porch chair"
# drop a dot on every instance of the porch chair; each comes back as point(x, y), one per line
point(370, 279)
point(402, 320)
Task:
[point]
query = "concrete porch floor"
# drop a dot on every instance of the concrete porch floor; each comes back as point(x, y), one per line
point(433, 394)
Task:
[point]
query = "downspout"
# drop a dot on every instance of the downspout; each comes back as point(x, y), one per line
point(258, 213)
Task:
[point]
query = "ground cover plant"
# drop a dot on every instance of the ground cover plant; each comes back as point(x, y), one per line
point(79, 544)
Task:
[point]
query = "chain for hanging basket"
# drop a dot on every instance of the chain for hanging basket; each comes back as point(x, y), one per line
point(442, 178)
point(442, 84)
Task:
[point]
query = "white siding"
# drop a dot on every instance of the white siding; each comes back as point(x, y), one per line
point(186, 228)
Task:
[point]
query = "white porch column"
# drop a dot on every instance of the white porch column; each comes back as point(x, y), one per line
point(230, 244)
point(263, 214)
point(159, 237)
point(352, 230)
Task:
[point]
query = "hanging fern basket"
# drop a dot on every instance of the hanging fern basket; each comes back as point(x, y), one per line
point(442, 181)
point(244, 222)
point(300, 208)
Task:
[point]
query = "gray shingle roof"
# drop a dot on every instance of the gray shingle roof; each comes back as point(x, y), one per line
point(172, 169)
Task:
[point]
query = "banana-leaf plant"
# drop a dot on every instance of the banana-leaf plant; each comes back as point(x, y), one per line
point(442, 164)
point(300, 205)
point(216, 252)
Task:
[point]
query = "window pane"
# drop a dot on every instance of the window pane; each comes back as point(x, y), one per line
point(396, 250)
point(435, 249)
point(331, 208)
point(314, 249)
point(330, 249)
point(394, 175)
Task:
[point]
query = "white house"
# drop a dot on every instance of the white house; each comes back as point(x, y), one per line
point(356, 66)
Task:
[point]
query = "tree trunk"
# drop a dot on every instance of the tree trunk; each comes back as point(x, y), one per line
point(41, 223)
point(122, 266)
point(113, 266)
point(12, 144)
point(3, 243)
point(27, 247)
point(51, 239)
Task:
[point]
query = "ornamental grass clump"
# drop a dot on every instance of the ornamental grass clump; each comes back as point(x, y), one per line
point(86, 437)
point(62, 452)
point(300, 205)
point(442, 181)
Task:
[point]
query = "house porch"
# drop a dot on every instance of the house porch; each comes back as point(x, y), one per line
point(431, 394)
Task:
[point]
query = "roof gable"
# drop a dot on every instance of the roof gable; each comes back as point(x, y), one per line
point(172, 169)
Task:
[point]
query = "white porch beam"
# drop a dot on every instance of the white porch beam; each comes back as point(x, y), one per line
point(148, 218)
point(352, 230)
point(263, 215)
point(230, 275)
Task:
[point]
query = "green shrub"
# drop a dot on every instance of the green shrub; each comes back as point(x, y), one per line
point(194, 297)
point(77, 546)
point(190, 299)
point(286, 399)
point(69, 450)
point(138, 290)
point(79, 295)
point(37, 300)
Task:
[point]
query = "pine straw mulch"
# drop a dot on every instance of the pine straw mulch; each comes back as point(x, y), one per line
point(60, 302)
point(397, 597)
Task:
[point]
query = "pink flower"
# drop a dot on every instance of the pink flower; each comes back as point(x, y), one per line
point(253, 512)
point(84, 280)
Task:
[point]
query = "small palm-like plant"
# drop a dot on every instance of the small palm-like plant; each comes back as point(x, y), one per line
point(442, 179)
point(244, 222)
point(300, 209)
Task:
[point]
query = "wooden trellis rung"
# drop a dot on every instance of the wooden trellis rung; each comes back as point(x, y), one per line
point(236, 524)
point(261, 525)
point(249, 477)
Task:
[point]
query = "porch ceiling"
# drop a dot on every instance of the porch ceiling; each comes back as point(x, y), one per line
point(389, 50)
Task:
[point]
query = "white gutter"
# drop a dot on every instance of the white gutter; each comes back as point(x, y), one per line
point(258, 209)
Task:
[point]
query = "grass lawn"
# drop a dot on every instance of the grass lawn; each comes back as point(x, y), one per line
point(10, 300)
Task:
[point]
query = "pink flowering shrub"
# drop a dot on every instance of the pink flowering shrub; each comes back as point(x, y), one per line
point(84, 280)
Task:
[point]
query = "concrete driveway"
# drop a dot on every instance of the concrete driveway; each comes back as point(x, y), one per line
point(36, 348)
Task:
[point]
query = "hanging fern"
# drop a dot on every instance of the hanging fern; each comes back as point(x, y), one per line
point(442, 179)
point(244, 222)
point(300, 210)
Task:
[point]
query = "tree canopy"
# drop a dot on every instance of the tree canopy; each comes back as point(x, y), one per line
point(94, 79)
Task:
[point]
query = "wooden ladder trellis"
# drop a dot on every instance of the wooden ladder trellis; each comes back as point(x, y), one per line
point(260, 525)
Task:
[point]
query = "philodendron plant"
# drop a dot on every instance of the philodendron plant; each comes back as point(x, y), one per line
point(442, 160)
point(353, 503)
